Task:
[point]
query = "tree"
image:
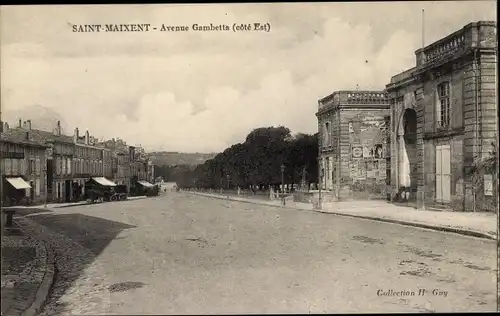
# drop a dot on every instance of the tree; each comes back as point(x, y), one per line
point(257, 161)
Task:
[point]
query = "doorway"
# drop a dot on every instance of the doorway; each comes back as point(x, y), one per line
point(67, 191)
point(407, 157)
point(443, 174)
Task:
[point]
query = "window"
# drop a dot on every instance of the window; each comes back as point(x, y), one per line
point(15, 165)
point(32, 166)
point(63, 165)
point(68, 169)
point(23, 166)
point(58, 165)
point(8, 166)
point(443, 104)
point(37, 166)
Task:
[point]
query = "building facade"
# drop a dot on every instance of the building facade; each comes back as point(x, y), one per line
point(444, 120)
point(60, 162)
point(122, 172)
point(353, 145)
point(23, 161)
point(89, 162)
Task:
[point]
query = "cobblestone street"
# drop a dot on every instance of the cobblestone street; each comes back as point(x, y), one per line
point(179, 254)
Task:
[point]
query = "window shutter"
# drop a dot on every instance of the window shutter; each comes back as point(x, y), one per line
point(8, 166)
point(37, 166)
point(14, 167)
point(37, 189)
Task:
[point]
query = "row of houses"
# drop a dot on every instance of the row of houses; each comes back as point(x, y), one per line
point(421, 138)
point(42, 166)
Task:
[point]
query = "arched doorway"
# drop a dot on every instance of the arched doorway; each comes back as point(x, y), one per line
point(407, 156)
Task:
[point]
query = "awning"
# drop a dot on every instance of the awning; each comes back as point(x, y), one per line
point(105, 182)
point(19, 183)
point(146, 184)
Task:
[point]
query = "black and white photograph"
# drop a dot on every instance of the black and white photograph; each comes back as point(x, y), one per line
point(249, 158)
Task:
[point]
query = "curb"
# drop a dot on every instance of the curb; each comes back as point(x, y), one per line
point(80, 204)
point(42, 294)
point(460, 231)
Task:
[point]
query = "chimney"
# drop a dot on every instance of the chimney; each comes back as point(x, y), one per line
point(27, 135)
point(57, 130)
point(131, 151)
point(28, 124)
point(6, 127)
point(1, 127)
point(75, 135)
point(20, 124)
point(24, 124)
point(86, 137)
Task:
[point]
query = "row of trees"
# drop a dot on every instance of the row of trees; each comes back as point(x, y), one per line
point(255, 162)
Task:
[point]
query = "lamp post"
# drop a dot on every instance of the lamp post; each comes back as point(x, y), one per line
point(227, 176)
point(44, 171)
point(283, 184)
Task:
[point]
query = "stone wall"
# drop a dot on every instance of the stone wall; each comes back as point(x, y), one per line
point(363, 150)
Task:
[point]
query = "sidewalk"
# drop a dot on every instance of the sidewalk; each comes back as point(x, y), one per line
point(27, 273)
point(61, 205)
point(483, 225)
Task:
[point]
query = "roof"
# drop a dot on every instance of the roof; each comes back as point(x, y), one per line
point(18, 136)
point(38, 136)
point(51, 137)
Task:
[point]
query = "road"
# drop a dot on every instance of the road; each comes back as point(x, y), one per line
point(184, 254)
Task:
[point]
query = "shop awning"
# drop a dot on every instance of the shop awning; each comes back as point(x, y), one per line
point(146, 184)
point(105, 182)
point(19, 183)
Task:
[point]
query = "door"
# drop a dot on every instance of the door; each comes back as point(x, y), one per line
point(67, 191)
point(443, 174)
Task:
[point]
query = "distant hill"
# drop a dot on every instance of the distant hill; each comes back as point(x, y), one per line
point(165, 158)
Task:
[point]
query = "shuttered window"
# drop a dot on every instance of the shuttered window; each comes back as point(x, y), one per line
point(37, 187)
point(15, 166)
point(37, 166)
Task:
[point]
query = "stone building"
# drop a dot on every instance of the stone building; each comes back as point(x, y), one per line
point(59, 154)
point(122, 172)
point(444, 120)
point(89, 161)
point(23, 161)
point(353, 144)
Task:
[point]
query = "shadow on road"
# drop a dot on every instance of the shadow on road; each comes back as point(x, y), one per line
point(93, 233)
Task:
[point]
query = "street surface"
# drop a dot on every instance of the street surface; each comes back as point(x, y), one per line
point(185, 254)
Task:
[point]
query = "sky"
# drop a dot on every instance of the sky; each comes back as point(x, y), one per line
point(204, 91)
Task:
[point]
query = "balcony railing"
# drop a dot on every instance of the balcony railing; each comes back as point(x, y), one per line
point(366, 97)
point(355, 97)
point(479, 34)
